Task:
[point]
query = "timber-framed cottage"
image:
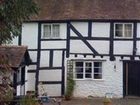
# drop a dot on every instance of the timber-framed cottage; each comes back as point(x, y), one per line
point(100, 39)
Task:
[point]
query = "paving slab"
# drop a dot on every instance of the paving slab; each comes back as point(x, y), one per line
point(99, 101)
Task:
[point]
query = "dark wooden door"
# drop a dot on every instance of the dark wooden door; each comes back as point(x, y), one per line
point(133, 79)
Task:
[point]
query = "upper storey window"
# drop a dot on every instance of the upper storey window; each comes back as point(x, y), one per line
point(51, 31)
point(123, 30)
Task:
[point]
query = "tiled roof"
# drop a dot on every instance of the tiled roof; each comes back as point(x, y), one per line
point(88, 9)
point(15, 54)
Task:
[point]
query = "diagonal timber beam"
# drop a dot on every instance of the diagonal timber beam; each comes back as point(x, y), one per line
point(83, 39)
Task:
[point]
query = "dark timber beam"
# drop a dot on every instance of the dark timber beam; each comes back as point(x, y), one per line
point(51, 59)
point(111, 47)
point(68, 40)
point(134, 41)
point(90, 29)
point(83, 39)
point(63, 74)
point(38, 59)
point(19, 39)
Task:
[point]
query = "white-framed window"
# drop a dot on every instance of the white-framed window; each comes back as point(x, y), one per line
point(51, 31)
point(123, 30)
point(88, 70)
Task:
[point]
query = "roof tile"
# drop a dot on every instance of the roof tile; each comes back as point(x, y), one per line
point(88, 9)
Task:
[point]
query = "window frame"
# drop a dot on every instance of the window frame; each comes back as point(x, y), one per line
point(51, 35)
point(84, 71)
point(123, 30)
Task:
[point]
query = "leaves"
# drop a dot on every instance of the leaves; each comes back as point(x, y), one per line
point(12, 14)
point(6, 91)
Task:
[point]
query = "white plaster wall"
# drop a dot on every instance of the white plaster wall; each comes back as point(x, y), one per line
point(31, 67)
point(111, 82)
point(138, 30)
point(138, 48)
point(81, 27)
point(30, 35)
point(50, 75)
point(102, 47)
point(30, 84)
point(53, 44)
point(63, 30)
point(33, 56)
point(51, 90)
point(100, 29)
point(123, 47)
point(44, 59)
point(57, 58)
point(78, 46)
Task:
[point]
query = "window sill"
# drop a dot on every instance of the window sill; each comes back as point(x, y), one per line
point(89, 79)
point(43, 39)
point(123, 37)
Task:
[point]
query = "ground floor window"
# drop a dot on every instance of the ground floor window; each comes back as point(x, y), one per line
point(87, 70)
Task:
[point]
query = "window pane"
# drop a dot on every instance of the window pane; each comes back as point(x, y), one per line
point(79, 70)
point(128, 30)
point(118, 30)
point(97, 64)
point(88, 76)
point(55, 31)
point(128, 26)
point(79, 64)
point(97, 76)
point(88, 64)
point(97, 70)
point(88, 70)
point(79, 76)
point(88, 67)
point(47, 31)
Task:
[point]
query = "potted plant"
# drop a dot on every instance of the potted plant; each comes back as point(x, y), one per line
point(107, 101)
